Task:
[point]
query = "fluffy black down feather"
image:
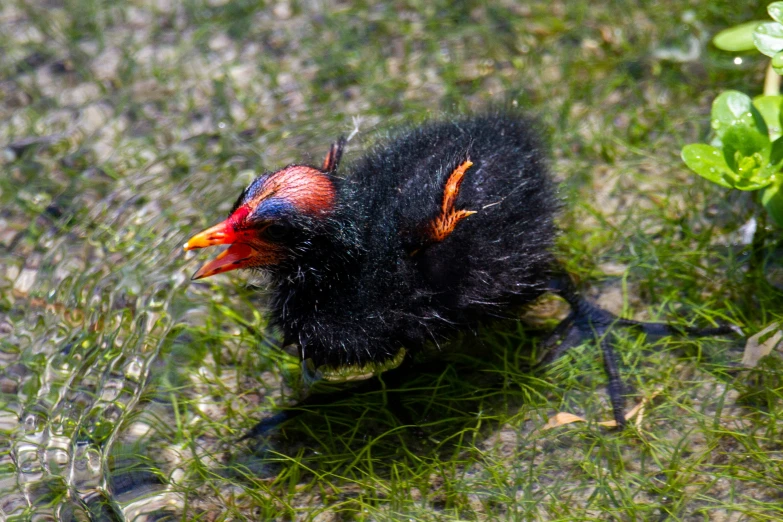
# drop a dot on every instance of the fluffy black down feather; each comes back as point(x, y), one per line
point(366, 282)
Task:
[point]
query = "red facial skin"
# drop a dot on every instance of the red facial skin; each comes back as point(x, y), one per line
point(307, 189)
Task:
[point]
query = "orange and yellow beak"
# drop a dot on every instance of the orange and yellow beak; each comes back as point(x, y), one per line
point(239, 255)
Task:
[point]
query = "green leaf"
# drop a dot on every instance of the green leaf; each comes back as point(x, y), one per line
point(776, 154)
point(775, 10)
point(746, 141)
point(772, 199)
point(774, 162)
point(708, 162)
point(777, 62)
point(738, 38)
point(750, 185)
point(747, 154)
point(769, 108)
point(768, 38)
point(733, 108)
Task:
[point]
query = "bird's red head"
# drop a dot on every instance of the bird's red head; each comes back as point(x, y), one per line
point(260, 224)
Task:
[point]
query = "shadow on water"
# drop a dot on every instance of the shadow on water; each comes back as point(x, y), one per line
point(437, 409)
point(445, 408)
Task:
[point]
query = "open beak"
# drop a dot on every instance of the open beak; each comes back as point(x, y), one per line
point(238, 255)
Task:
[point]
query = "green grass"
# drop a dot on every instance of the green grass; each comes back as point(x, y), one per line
point(124, 386)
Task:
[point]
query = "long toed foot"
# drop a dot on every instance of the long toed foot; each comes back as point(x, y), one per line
point(588, 322)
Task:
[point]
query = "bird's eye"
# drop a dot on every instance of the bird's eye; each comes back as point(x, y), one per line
point(277, 231)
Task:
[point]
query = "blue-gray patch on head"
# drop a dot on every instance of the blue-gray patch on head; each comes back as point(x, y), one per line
point(249, 192)
point(272, 208)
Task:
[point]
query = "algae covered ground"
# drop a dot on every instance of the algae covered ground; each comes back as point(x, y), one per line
point(124, 387)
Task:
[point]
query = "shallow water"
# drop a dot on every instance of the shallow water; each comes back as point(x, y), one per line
point(106, 339)
point(98, 293)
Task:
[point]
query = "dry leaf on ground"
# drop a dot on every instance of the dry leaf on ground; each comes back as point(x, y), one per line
point(755, 350)
point(563, 418)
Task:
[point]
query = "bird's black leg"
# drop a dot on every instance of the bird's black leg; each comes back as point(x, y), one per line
point(587, 321)
point(590, 316)
point(614, 385)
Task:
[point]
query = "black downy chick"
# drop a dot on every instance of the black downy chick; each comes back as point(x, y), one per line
point(437, 229)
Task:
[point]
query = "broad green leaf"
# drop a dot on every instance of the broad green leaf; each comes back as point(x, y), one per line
point(776, 155)
point(738, 38)
point(769, 108)
point(772, 199)
point(750, 185)
point(708, 162)
point(747, 141)
point(774, 163)
point(747, 153)
point(777, 63)
point(732, 109)
point(768, 38)
point(775, 10)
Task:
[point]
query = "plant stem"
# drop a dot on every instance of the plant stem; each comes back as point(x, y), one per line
point(759, 237)
point(771, 82)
